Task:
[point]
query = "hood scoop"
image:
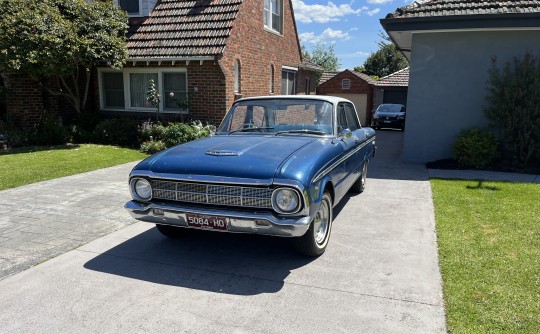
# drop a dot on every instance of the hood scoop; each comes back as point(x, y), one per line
point(222, 153)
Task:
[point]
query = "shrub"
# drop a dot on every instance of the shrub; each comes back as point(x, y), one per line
point(152, 146)
point(514, 107)
point(171, 134)
point(50, 132)
point(475, 148)
point(118, 131)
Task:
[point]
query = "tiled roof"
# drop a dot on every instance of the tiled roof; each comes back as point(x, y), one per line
point(366, 78)
point(396, 79)
point(309, 65)
point(465, 7)
point(327, 76)
point(184, 28)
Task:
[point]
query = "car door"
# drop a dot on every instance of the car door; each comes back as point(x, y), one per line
point(349, 134)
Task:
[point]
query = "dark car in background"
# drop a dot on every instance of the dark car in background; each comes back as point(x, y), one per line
point(389, 116)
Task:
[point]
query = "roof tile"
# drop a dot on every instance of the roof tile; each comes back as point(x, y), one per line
point(184, 28)
point(464, 7)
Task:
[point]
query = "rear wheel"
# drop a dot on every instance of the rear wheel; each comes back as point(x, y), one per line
point(314, 242)
point(360, 184)
point(171, 231)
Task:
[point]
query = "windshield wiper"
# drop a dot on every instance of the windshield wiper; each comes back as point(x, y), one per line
point(258, 129)
point(306, 131)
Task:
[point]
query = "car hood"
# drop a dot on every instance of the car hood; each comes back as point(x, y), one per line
point(241, 156)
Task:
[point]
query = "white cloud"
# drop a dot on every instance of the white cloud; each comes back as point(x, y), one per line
point(380, 2)
point(321, 13)
point(328, 33)
point(373, 12)
point(362, 53)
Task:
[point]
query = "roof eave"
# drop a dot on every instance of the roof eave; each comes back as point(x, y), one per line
point(451, 22)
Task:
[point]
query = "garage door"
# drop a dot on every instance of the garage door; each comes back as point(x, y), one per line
point(395, 96)
point(360, 103)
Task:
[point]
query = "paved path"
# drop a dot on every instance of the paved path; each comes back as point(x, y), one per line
point(46, 219)
point(380, 273)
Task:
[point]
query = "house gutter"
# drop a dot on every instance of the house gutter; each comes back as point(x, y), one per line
point(173, 60)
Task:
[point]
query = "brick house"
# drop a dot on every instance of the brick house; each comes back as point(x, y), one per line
point(212, 51)
point(355, 86)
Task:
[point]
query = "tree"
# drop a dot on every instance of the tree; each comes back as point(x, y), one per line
point(324, 55)
point(55, 41)
point(386, 60)
point(514, 107)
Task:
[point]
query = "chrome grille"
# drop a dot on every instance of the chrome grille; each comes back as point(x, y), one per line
point(215, 194)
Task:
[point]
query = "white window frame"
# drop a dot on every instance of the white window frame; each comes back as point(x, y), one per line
point(237, 69)
point(268, 15)
point(139, 14)
point(346, 84)
point(294, 72)
point(127, 93)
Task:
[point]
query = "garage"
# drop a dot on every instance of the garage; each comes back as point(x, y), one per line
point(355, 86)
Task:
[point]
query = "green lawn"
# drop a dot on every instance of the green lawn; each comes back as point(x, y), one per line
point(28, 165)
point(489, 250)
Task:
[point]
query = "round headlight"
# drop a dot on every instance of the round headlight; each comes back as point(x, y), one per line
point(285, 200)
point(143, 189)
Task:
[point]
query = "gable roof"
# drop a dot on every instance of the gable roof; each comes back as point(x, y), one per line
point(184, 29)
point(435, 8)
point(329, 75)
point(396, 79)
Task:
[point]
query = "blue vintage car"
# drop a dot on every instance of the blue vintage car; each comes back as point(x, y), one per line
point(277, 165)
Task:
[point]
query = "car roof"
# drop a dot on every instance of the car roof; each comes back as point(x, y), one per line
point(328, 98)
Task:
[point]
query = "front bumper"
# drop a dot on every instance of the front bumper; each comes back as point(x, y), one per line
point(389, 123)
point(238, 221)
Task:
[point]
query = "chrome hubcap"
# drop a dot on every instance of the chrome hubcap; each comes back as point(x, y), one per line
point(320, 223)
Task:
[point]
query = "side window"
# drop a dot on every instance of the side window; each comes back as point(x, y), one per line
point(341, 118)
point(352, 119)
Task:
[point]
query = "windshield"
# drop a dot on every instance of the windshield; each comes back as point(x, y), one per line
point(279, 116)
point(389, 108)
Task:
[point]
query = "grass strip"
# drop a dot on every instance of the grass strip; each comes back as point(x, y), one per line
point(489, 250)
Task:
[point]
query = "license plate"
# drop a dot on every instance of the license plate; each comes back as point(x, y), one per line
point(387, 121)
point(207, 222)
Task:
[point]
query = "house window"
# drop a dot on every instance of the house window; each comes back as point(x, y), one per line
point(237, 77)
point(132, 7)
point(273, 10)
point(113, 90)
point(346, 84)
point(138, 88)
point(271, 79)
point(128, 90)
point(308, 88)
point(287, 82)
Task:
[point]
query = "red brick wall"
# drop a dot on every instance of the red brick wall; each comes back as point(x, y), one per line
point(257, 49)
point(301, 77)
point(24, 101)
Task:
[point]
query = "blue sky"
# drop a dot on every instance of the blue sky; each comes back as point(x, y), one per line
point(352, 25)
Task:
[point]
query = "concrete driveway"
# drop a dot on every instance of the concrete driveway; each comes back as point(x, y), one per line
point(379, 274)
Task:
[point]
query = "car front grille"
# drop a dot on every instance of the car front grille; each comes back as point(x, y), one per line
point(214, 194)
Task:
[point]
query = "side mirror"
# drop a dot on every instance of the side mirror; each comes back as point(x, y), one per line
point(346, 134)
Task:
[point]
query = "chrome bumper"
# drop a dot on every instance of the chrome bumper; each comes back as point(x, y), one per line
point(238, 221)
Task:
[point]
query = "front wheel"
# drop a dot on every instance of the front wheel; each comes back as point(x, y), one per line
point(314, 242)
